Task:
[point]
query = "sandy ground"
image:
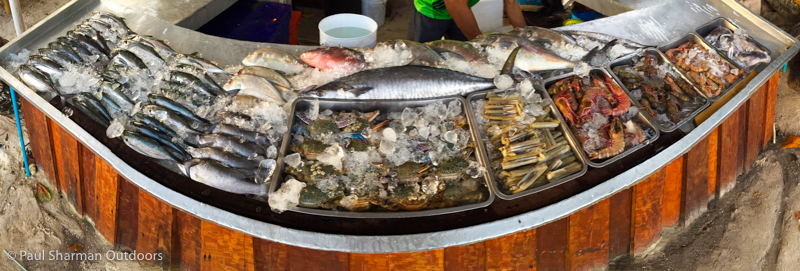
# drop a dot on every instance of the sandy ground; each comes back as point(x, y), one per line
point(32, 13)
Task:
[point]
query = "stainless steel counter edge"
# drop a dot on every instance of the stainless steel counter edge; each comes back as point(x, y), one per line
point(411, 242)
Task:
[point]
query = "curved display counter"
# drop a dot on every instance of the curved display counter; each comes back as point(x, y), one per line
point(611, 211)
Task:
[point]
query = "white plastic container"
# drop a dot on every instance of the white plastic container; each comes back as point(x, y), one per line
point(489, 14)
point(348, 30)
point(375, 9)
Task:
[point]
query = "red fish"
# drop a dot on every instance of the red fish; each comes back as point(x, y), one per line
point(339, 59)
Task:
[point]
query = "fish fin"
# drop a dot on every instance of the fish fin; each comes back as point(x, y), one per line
point(211, 127)
point(359, 91)
point(508, 67)
point(588, 57)
point(233, 92)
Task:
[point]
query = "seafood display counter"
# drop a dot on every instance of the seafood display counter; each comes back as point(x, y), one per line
point(577, 221)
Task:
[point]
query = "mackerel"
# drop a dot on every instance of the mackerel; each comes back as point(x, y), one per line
point(146, 146)
point(219, 176)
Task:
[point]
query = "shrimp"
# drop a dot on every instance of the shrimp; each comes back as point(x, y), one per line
point(623, 102)
point(615, 144)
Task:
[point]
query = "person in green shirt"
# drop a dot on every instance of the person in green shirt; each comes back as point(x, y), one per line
point(453, 19)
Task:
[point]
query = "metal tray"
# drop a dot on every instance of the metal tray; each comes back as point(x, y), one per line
point(385, 106)
point(484, 154)
point(696, 39)
point(628, 60)
point(723, 22)
point(643, 119)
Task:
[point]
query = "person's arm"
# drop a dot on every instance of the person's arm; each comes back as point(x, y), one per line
point(463, 17)
point(514, 13)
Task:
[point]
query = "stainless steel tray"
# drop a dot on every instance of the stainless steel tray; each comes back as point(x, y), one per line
point(696, 39)
point(486, 160)
point(385, 106)
point(723, 22)
point(664, 127)
point(644, 120)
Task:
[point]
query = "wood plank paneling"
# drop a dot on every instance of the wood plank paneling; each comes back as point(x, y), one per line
point(469, 257)
point(512, 252)
point(186, 247)
point(58, 157)
point(695, 182)
point(619, 225)
point(740, 157)
point(551, 245)
point(270, 255)
point(588, 237)
point(69, 160)
point(713, 143)
point(771, 100)
point(154, 229)
point(309, 259)
point(106, 190)
point(39, 135)
point(127, 215)
point(426, 260)
point(728, 153)
point(647, 200)
point(755, 126)
point(88, 184)
point(225, 249)
point(671, 201)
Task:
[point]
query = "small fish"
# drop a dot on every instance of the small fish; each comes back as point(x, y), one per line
point(115, 93)
point(191, 80)
point(35, 79)
point(92, 108)
point(173, 120)
point(58, 56)
point(592, 40)
point(222, 115)
point(219, 176)
point(146, 146)
point(540, 60)
point(175, 107)
point(233, 143)
point(460, 48)
point(176, 151)
point(89, 42)
point(250, 136)
point(127, 58)
point(113, 20)
point(337, 59)
point(560, 44)
point(158, 44)
point(251, 85)
point(141, 50)
point(202, 75)
point(274, 59)
point(423, 54)
point(111, 106)
point(83, 107)
point(226, 158)
point(78, 47)
point(402, 82)
point(195, 60)
point(66, 49)
point(155, 125)
point(271, 75)
point(46, 65)
point(96, 36)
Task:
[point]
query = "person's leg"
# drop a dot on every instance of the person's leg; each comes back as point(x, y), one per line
point(424, 29)
point(454, 33)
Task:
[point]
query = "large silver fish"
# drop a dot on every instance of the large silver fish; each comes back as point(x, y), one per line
point(219, 176)
point(403, 82)
point(560, 44)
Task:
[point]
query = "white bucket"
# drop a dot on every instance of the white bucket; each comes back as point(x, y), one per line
point(489, 14)
point(375, 9)
point(359, 30)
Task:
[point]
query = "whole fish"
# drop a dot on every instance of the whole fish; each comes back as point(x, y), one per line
point(115, 93)
point(77, 46)
point(141, 50)
point(66, 49)
point(403, 82)
point(234, 144)
point(271, 75)
point(251, 85)
point(113, 20)
point(506, 41)
point(146, 146)
point(90, 43)
point(92, 113)
point(172, 120)
point(195, 60)
point(338, 59)
point(422, 54)
point(593, 40)
point(540, 60)
point(46, 65)
point(111, 106)
point(58, 56)
point(172, 148)
point(154, 124)
point(274, 59)
point(202, 75)
point(175, 107)
point(158, 44)
point(222, 115)
point(219, 176)
point(191, 80)
point(127, 58)
point(105, 29)
point(94, 105)
point(462, 49)
point(560, 44)
point(192, 102)
point(250, 136)
point(226, 158)
point(96, 36)
point(35, 79)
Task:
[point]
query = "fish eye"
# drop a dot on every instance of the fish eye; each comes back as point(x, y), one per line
point(319, 93)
